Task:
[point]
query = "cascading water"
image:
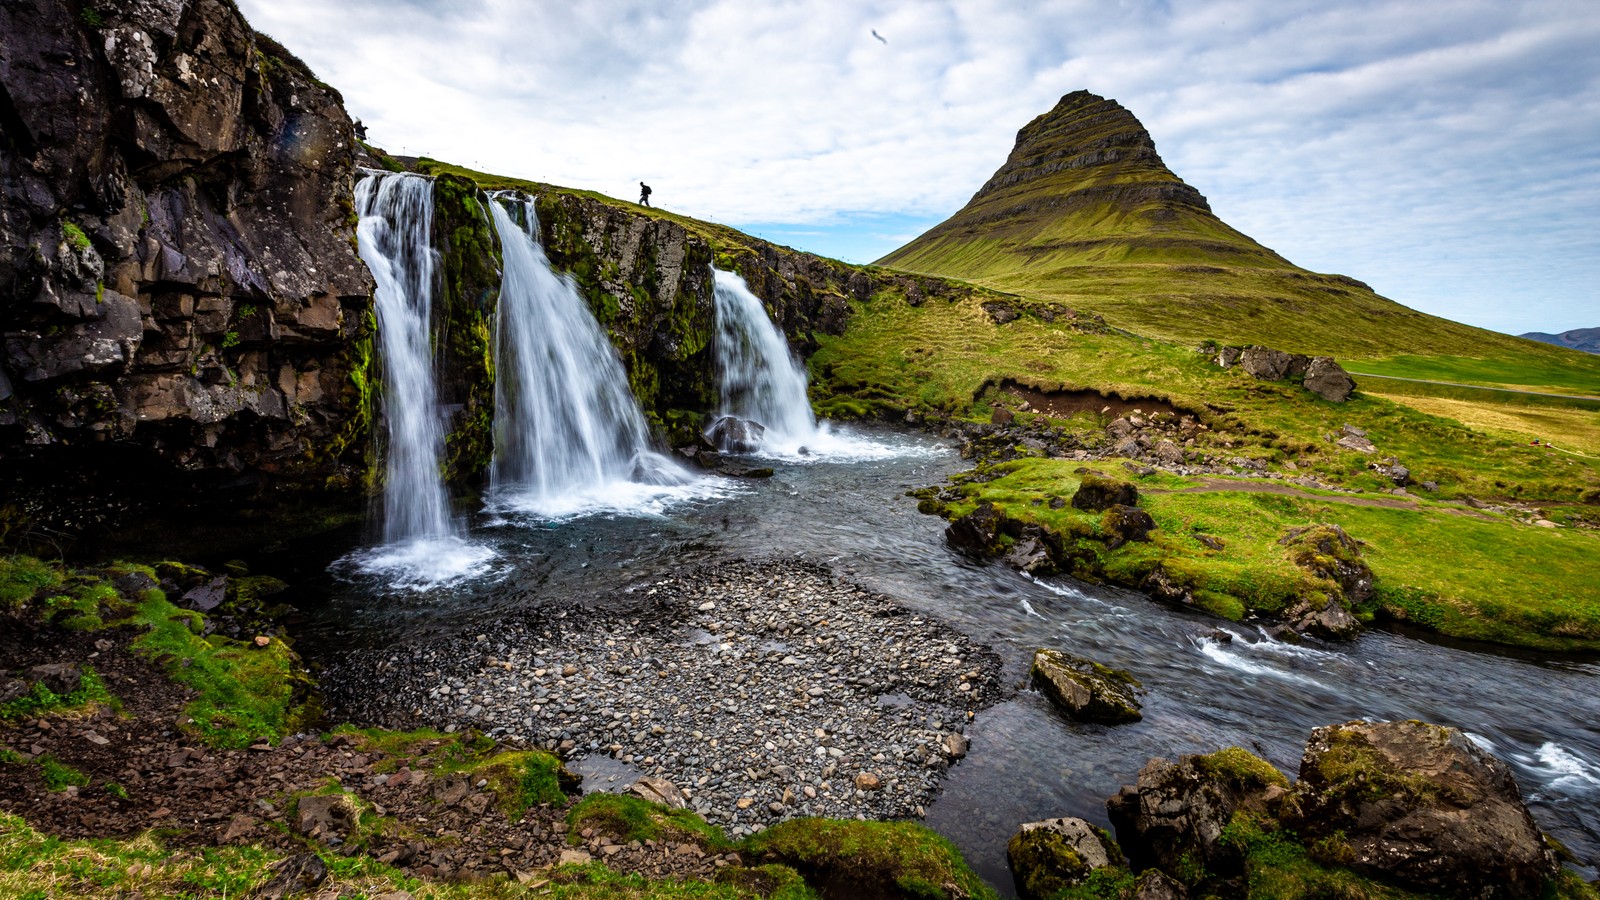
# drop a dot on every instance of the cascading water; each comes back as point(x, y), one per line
point(422, 544)
point(761, 382)
point(569, 435)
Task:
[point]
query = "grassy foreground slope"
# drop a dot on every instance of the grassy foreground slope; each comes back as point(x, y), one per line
point(1085, 212)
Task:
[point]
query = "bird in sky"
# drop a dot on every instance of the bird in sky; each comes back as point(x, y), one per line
point(880, 37)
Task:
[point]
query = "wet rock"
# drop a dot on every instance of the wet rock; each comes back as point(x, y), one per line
point(1328, 380)
point(1029, 555)
point(207, 596)
point(297, 874)
point(1085, 689)
point(1173, 817)
point(1050, 856)
point(60, 679)
point(1096, 493)
point(1127, 524)
point(659, 790)
point(1421, 805)
point(978, 531)
point(732, 434)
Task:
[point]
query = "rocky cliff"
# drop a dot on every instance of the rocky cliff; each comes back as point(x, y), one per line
point(178, 276)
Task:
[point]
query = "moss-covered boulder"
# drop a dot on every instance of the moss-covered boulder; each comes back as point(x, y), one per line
point(1126, 524)
point(1052, 855)
point(1341, 580)
point(869, 860)
point(1085, 689)
point(1421, 805)
point(1174, 817)
point(1097, 493)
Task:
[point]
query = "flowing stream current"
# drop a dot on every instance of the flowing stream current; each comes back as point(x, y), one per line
point(1026, 761)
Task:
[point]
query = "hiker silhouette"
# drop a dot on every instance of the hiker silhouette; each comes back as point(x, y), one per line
point(644, 194)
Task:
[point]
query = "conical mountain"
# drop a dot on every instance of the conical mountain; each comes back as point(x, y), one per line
point(1085, 212)
point(1083, 186)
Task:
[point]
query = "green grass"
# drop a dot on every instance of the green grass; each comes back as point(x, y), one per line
point(1548, 373)
point(41, 701)
point(1489, 590)
point(871, 858)
point(23, 577)
point(633, 819)
point(59, 776)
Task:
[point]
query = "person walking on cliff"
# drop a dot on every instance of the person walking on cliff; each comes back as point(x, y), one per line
point(644, 194)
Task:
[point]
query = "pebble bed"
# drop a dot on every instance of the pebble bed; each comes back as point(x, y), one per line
point(763, 691)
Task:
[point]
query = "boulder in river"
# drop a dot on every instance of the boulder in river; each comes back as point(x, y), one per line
point(1085, 689)
point(1422, 805)
point(1173, 818)
point(1328, 553)
point(1055, 854)
point(732, 434)
point(977, 531)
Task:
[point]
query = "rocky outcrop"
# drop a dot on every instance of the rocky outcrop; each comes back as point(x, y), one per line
point(1085, 689)
point(1327, 553)
point(1173, 818)
point(1096, 493)
point(1421, 805)
point(1049, 856)
point(1328, 380)
point(1321, 375)
point(177, 265)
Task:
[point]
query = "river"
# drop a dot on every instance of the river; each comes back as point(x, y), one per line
point(1026, 762)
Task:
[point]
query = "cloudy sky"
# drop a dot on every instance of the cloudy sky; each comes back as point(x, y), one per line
point(1445, 151)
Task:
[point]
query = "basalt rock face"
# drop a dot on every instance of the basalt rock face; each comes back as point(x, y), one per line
point(178, 275)
point(648, 280)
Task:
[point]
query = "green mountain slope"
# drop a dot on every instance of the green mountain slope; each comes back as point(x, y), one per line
point(1085, 212)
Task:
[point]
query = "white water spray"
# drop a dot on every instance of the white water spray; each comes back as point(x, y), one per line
point(423, 546)
point(761, 381)
point(569, 435)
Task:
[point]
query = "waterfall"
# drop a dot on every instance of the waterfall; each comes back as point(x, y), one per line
point(569, 435)
point(759, 379)
point(764, 408)
point(422, 544)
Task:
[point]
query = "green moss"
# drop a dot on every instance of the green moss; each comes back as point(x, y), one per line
point(245, 692)
point(75, 235)
point(1241, 769)
point(522, 780)
point(41, 701)
point(633, 819)
point(59, 776)
point(24, 577)
point(884, 859)
point(470, 263)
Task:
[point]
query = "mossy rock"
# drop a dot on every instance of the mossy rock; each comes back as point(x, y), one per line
point(524, 779)
point(1050, 856)
point(1085, 689)
point(1241, 770)
point(773, 882)
point(1097, 493)
point(632, 819)
point(869, 860)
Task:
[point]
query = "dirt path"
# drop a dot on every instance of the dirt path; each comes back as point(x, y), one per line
point(1217, 485)
point(1478, 387)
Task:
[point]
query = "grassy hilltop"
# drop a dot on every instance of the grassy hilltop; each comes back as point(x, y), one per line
point(1085, 212)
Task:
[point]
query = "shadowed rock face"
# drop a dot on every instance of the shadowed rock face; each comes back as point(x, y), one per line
point(178, 276)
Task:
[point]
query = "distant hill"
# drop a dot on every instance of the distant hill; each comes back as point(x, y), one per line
point(1084, 211)
point(1585, 339)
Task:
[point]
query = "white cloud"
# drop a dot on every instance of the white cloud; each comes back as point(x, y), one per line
point(1443, 152)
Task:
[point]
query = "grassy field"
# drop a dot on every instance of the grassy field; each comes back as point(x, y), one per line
point(1568, 428)
point(1567, 372)
point(939, 358)
point(1505, 581)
